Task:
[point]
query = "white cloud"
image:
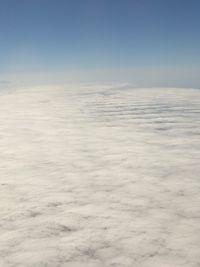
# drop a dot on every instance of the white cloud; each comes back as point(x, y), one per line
point(99, 176)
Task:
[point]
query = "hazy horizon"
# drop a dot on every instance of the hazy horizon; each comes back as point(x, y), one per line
point(145, 43)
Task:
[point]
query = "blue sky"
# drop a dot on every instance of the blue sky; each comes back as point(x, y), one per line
point(150, 39)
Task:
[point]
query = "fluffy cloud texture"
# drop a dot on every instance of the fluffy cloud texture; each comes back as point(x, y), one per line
point(99, 177)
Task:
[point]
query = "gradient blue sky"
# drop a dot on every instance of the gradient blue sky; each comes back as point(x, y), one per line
point(155, 40)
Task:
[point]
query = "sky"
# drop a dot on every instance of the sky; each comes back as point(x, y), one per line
point(146, 42)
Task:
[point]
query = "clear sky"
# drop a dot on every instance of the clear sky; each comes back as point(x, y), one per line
point(156, 41)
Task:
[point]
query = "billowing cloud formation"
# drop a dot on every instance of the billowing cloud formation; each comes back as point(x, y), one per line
point(100, 177)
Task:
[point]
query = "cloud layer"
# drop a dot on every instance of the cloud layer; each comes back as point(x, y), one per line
point(99, 176)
